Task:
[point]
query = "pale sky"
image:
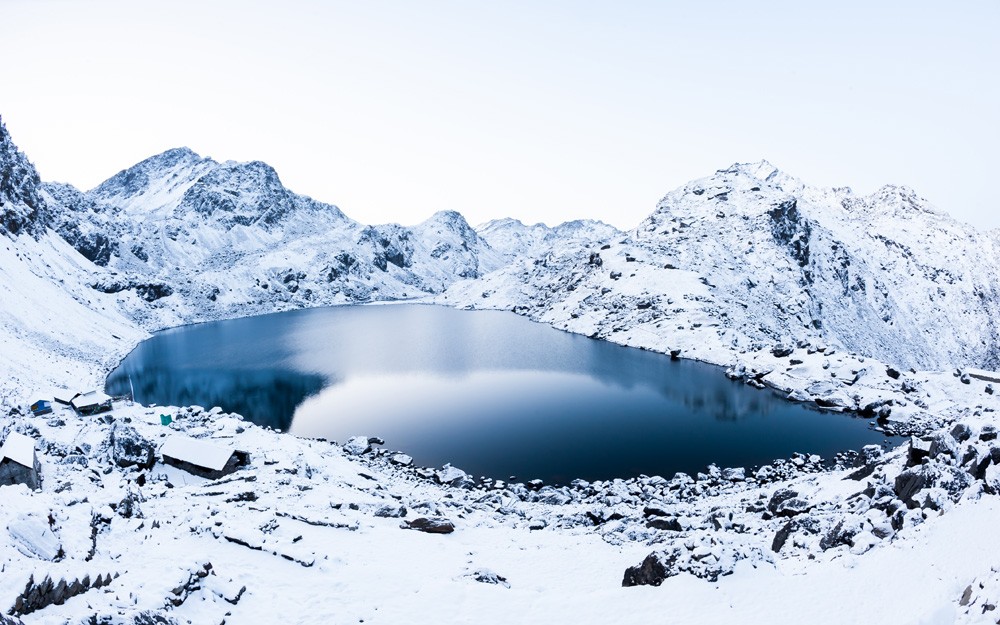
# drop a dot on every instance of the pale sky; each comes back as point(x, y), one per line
point(540, 110)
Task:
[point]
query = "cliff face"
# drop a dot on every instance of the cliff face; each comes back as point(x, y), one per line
point(22, 208)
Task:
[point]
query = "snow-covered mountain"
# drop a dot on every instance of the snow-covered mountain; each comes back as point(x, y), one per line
point(515, 239)
point(736, 262)
point(750, 257)
point(229, 239)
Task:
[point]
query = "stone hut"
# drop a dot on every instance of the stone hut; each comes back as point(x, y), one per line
point(19, 463)
point(202, 458)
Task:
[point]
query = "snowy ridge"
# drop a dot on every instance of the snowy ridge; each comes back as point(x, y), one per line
point(516, 240)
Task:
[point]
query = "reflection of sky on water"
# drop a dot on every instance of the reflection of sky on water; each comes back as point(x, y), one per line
point(488, 391)
point(558, 426)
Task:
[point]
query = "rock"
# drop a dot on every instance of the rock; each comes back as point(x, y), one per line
point(892, 373)
point(988, 433)
point(786, 502)
point(449, 474)
point(401, 459)
point(32, 537)
point(909, 482)
point(842, 533)
point(782, 535)
point(651, 572)
point(919, 449)
point(434, 525)
point(128, 507)
point(375, 440)
point(792, 507)
point(737, 474)
point(670, 524)
point(961, 432)
point(357, 445)
point(391, 511)
point(953, 480)
point(675, 354)
point(965, 379)
point(129, 448)
point(942, 444)
point(553, 496)
point(654, 510)
point(869, 455)
point(782, 350)
point(486, 576)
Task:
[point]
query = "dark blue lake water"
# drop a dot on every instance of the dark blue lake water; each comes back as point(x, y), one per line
point(490, 392)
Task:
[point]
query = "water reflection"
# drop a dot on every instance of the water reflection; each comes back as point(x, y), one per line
point(488, 391)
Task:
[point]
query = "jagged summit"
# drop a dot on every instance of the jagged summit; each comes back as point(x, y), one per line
point(21, 206)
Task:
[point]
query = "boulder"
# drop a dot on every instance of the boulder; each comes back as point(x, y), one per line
point(943, 445)
point(919, 449)
point(961, 432)
point(431, 525)
point(951, 479)
point(449, 474)
point(868, 456)
point(651, 572)
point(401, 459)
point(129, 448)
point(782, 350)
point(786, 502)
point(357, 445)
point(842, 533)
point(782, 535)
point(988, 433)
point(670, 524)
point(390, 511)
point(737, 474)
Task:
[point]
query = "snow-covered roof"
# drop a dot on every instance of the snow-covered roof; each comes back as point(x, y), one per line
point(90, 398)
point(983, 374)
point(196, 452)
point(64, 396)
point(19, 448)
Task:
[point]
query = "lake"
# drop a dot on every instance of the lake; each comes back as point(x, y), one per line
point(490, 392)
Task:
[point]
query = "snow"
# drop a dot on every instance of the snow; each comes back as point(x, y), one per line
point(19, 448)
point(196, 452)
point(302, 534)
point(89, 398)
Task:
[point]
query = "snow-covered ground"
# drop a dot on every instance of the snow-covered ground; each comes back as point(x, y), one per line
point(827, 296)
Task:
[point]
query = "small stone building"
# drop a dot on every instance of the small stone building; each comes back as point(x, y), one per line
point(91, 402)
point(19, 463)
point(202, 458)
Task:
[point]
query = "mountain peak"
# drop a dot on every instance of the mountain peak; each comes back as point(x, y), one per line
point(20, 202)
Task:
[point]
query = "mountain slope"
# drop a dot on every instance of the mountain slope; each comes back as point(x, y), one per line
point(750, 257)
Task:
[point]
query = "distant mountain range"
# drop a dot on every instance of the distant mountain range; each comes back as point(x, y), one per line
point(738, 261)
